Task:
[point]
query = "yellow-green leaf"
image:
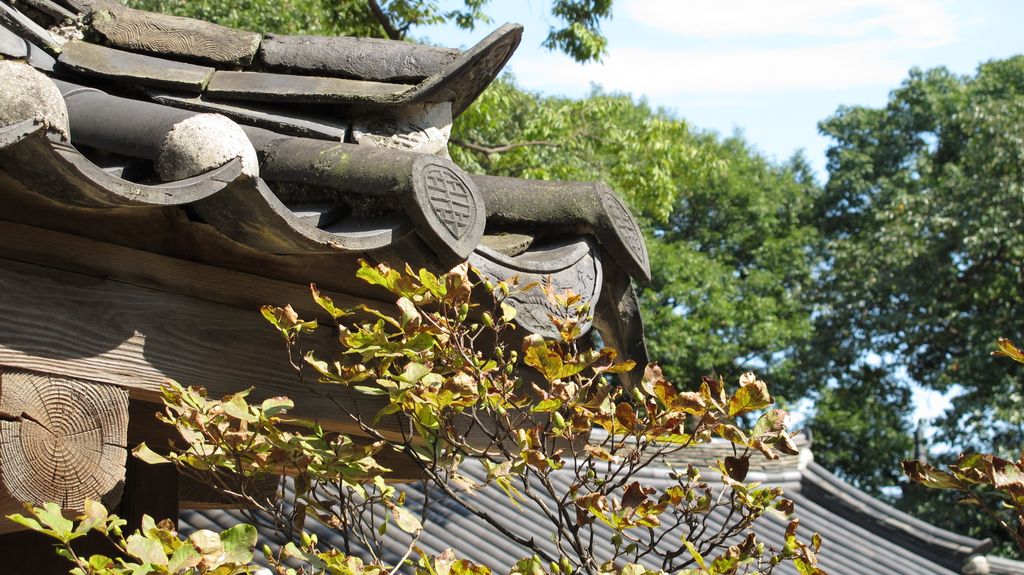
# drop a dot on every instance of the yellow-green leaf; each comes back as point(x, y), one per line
point(143, 452)
point(1008, 349)
point(405, 520)
point(327, 303)
point(146, 550)
point(508, 313)
point(752, 395)
point(184, 557)
point(276, 405)
point(237, 407)
point(238, 543)
point(695, 554)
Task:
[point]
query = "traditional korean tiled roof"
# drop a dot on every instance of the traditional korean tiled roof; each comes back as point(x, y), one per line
point(238, 149)
point(862, 536)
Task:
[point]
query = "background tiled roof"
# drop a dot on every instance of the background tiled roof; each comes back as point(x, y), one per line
point(862, 536)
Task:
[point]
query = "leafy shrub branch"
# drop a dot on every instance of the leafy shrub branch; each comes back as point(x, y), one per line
point(453, 382)
point(992, 483)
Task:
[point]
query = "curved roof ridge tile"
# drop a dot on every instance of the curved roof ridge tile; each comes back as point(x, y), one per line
point(439, 198)
point(73, 179)
point(251, 214)
point(463, 80)
point(547, 205)
point(370, 72)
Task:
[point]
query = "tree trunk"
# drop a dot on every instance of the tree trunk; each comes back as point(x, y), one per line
point(61, 440)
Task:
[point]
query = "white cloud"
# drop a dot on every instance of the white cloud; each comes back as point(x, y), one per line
point(662, 73)
point(920, 23)
point(736, 47)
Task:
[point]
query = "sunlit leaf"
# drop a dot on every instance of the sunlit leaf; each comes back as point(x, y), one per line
point(238, 543)
point(1008, 349)
point(184, 557)
point(146, 550)
point(752, 395)
point(405, 520)
point(927, 475)
point(276, 405)
point(237, 407)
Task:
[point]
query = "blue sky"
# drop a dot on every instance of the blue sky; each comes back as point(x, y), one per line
point(770, 68)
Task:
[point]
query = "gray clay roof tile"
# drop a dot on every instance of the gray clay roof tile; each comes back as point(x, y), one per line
point(266, 87)
point(857, 540)
point(173, 36)
point(287, 122)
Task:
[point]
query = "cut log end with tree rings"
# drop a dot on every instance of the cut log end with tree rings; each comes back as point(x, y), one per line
point(61, 440)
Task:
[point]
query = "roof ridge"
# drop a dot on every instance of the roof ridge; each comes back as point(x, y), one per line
point(887, 514)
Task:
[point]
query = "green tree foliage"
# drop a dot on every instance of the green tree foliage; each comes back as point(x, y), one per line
point(577, 31)
point(646, 155)
point(859, 425)
point(923, 222)
point(732, 268)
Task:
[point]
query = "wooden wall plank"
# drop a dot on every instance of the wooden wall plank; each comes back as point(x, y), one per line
point(79, 326)
point(69, 252)
point(149, 490)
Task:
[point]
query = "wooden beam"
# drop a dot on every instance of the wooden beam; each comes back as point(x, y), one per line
point(150, 489)
point(62, 440)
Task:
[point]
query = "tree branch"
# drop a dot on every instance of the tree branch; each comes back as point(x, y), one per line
point(385, 22)
point(484, 149)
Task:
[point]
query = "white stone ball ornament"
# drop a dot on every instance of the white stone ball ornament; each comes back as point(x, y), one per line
point(202, 143)
point(27, 94)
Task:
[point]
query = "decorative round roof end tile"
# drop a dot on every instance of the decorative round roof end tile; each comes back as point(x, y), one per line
point(447, 208)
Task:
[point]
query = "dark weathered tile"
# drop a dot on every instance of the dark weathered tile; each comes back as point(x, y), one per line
point(263, 116)
point(357, 58)
point(312, 89)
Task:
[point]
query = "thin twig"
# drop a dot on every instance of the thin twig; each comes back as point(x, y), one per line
point(384, 21)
